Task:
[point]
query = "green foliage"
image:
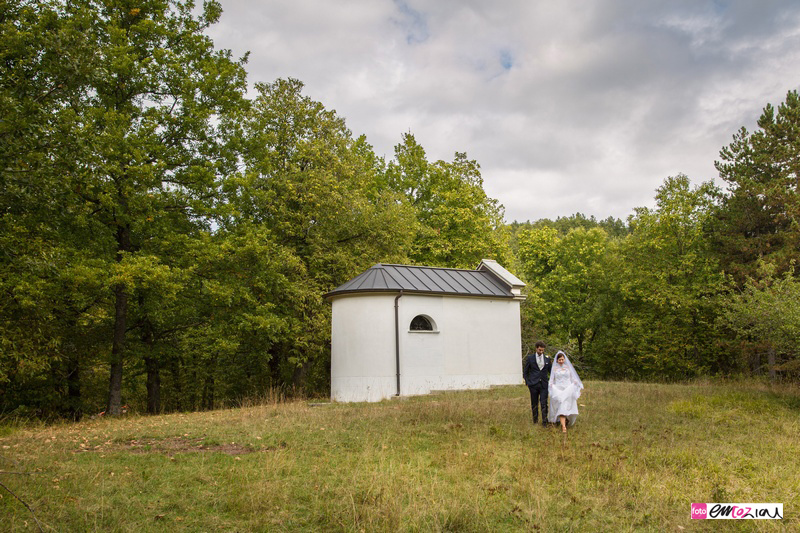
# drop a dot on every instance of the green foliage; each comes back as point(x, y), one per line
point(665, 284)
point(113, 151)
point(457, 223)
point(317, 191)
point(755, 233)
point(245, 303)
point(614, 227)
point(760, 215)
point(766, 313)
point(566, 278)
point(165, 242)
point(157, 224)
point(149, 145)
point(51, 282)
point(316, 187)
point(640, 305)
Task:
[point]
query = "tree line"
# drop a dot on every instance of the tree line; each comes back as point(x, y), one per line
point(166, 236)
point(702, 284)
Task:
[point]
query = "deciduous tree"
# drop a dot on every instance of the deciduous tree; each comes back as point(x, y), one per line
point(665, 284)
point(317, 191)
point(458, 224)
point(765, 314)
point(126, 107)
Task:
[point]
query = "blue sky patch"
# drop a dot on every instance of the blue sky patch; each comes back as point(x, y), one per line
point(413, 22)
point(506, 59)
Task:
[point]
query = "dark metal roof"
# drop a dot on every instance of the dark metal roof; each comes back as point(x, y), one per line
point(422, 279)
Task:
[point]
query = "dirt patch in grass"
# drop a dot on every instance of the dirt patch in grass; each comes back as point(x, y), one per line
point(174, 445)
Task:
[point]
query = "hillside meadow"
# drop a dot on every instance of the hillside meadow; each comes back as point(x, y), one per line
point(460, 461)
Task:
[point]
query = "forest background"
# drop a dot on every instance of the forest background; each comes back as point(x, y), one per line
point(166, 236)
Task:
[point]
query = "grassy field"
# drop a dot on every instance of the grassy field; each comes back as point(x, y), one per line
point(466, 461)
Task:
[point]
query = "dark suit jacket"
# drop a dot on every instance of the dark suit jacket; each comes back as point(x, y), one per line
point(532, 374)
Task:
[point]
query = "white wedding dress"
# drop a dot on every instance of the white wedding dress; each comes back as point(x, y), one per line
point(564, 390)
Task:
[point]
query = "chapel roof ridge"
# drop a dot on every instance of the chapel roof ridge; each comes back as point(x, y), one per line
point(481, 281)
point(422, 266)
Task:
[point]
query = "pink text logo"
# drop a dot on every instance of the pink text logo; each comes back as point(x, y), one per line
point(738, 511)
point(699, 511)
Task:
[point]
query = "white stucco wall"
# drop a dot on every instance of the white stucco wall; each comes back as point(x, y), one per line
point(476, 345)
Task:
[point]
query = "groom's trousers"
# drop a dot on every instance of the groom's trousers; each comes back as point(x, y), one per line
point(539, 395)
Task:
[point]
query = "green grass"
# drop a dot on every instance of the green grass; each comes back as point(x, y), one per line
point(466, 461)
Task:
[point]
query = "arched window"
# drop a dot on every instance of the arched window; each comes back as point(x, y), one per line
point(421, 323)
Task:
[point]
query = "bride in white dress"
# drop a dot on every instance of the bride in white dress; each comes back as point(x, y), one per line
point(565, 389)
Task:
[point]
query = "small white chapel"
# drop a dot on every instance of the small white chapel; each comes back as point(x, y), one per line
point(399, 330)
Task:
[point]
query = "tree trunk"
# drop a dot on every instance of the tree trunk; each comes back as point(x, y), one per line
point(74, 387)
point(771, 363)
point(153, 386)
point(176, 386)
point(208, 393)
point(153, 370)
point(114, 406)
point(192, 395)
point(300, 376)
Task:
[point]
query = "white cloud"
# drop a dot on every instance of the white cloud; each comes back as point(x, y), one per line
point(567, 106)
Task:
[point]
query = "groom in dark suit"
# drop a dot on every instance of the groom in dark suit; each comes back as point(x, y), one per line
point(536, 371)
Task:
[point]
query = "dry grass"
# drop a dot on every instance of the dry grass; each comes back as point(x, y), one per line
point(467, 461)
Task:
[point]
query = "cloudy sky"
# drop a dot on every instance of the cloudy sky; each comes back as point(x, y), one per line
point(568, 105)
